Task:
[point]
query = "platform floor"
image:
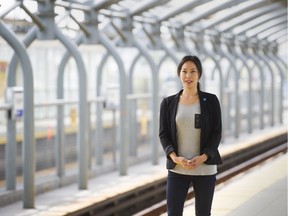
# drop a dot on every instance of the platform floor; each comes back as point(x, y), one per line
point(261, 191)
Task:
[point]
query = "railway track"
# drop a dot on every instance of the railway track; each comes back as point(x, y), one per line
point(160, 207)
point(149, 200)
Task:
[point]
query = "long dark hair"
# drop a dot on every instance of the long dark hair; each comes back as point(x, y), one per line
point(197, 63)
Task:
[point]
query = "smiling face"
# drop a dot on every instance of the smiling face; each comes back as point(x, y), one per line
point(189, 75)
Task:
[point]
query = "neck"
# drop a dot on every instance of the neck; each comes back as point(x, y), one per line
point(190, 92)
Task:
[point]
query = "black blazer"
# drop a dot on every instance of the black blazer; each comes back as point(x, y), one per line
point(211, 127)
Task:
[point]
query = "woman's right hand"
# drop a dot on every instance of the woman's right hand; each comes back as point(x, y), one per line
point(182, 161)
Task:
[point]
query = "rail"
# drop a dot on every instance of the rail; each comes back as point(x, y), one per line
point(160, 207)
point(149, 200)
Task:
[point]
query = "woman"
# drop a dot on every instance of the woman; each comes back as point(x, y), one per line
point(190, 133)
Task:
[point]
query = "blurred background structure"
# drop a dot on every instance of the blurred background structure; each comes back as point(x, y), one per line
point(81, 81)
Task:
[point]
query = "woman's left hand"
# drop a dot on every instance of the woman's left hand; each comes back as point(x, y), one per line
point(196, 161)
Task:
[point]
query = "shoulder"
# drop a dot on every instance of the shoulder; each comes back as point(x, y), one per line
point(171, 99)
point(208, 96)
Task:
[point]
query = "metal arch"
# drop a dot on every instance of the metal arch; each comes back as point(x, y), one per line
point(273, 14)
point(153, 67)
point(29, 141)
point(270, 55)
point(155, 99)
point(246, 17)
point(261, 102)
point(82, 78)
point(272, 82)
point(162, 60)
point(99, 135)
point(90, 38)
point(82, 138)
point(264, 62)
point(282, 63)
point(217, 49)
point(131, 70)
point(82, 82)
point(231, 59)
point(60, 137)
point(128, 34)
point(215, 38)
point(11, 124)
point(271, 72)
point(244, 59)
point(123, 102)
point(132, 114)
point(244, 64)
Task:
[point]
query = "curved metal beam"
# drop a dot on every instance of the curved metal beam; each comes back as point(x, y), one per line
point(132, 109)
point(275, 36)
point(246, 17)
point(251, 24)
point(98, 5)
point(123, 102)
point(273, 30)
point(254, 30)
point(60, 137)
point(82, 138)
point(11, 124)
point(234, 12)
point(99, 124)
point(155, 99)
point(28, 119)
point(208, 12)
point(143, 6)
point(181, 8)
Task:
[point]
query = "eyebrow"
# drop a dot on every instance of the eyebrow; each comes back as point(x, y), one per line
point(193, 69)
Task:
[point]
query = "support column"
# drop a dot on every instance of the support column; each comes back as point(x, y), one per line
point(28, 119)
point(82, 136)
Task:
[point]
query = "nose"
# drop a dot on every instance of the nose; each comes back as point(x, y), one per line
point(189, 75)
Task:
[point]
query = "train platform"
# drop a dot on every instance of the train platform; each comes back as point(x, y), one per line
point(261, 190)
point(69, 200)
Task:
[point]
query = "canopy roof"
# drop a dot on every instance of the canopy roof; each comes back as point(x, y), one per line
point(261, 19)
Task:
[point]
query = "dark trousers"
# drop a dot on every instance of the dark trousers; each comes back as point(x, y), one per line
point(177, 189)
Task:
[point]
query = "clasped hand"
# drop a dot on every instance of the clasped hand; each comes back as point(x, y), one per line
point(189, 163)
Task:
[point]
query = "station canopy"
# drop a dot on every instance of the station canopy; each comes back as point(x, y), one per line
point(259, 19)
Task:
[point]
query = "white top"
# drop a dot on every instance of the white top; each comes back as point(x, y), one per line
point(188, 138)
